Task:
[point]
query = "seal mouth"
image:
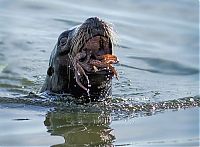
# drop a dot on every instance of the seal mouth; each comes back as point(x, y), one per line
point(95, 57)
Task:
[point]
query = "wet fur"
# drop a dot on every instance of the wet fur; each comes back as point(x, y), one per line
point(60, 74)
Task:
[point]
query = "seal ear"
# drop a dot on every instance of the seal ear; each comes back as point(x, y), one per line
point(50, 71)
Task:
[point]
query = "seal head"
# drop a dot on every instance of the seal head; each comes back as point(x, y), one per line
point(81, 62)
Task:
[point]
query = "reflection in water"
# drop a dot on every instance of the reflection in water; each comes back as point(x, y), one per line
point(79, 128)
point(89, 124)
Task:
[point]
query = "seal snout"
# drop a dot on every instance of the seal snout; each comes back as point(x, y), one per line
point(95, 46)
point(94, 19)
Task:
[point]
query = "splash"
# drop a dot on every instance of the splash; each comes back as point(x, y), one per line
point(119, 108)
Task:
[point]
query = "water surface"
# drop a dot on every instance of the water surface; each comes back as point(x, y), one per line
point(158, 48)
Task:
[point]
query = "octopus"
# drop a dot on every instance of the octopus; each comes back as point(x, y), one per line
point(83, 63)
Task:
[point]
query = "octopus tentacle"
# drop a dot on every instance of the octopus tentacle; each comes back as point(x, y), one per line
point(103, 61)
point(79, 71)
point(97, 63)
point(77, 76)
point(83, 73)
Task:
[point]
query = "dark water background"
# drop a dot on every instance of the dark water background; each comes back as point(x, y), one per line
point(158, 48)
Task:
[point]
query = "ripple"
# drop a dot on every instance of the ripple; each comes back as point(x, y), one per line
point(68, 22)
point(164, 66)
point(119, 108)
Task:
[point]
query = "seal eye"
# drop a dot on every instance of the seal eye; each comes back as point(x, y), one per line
point(63, 46)
point(63, 41)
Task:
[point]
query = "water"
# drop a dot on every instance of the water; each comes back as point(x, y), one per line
point(155, 101)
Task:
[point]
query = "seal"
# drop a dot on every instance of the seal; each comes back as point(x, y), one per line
point(81, 61)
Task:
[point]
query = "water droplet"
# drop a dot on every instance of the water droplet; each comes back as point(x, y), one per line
point(191, 100)
point(88, 92)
